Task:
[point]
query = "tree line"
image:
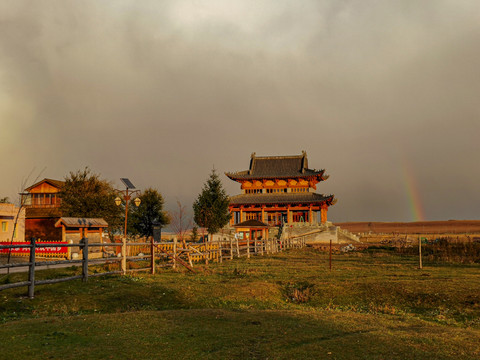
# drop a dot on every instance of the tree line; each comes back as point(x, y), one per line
point(86, 194)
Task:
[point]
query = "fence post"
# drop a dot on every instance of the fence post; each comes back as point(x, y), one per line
point(231, 249)
point(31, 269)
point(238, 250)
point(248, 248)
point(85, 259)
point(330, 258)
point(152, 253)
point(220, 251)
point(174, 252)
point(124, 256)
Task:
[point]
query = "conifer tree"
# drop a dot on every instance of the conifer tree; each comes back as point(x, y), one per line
point(149, 213)
point(211, 207)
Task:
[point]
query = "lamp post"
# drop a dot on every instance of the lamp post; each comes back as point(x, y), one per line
point(127, 195)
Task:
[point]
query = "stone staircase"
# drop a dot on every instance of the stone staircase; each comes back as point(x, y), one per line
point(319, 233)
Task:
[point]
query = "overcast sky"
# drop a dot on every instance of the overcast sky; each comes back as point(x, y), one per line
point(377, 92)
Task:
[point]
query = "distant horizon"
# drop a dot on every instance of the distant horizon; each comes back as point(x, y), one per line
point(172, 207)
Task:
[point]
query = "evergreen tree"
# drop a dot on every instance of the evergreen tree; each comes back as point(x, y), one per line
point(194, 234)
point(211, 207)
point(149, 212)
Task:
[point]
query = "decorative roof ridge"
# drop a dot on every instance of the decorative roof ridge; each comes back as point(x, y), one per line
point(252, 163)
point(278, 157)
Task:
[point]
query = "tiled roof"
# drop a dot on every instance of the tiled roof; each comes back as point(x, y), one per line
point(262, 167)
point(81, 222)
point(286, 198)
point(37, 213)
point(251, 223)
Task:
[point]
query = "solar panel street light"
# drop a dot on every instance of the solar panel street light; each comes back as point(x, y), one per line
point(127, 195)
point(127, 183)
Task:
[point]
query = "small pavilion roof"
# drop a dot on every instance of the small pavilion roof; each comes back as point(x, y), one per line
point(253, 223)
point(264, 167)
point(72, 222)
point(281, 198)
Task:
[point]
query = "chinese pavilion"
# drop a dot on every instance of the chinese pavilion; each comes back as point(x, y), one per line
point(279, 190)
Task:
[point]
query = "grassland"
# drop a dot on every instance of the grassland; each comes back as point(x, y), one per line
point(372, 305)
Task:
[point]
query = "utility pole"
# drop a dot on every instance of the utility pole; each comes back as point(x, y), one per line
point(330, 255)
point(420, 253)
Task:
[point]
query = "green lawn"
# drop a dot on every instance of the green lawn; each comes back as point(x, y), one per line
point(371, 306)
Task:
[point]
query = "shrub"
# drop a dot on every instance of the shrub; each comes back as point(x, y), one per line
point(443, 250)
point(300, 292)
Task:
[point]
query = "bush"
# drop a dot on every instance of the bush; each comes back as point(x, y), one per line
point(300, 292)
point(444, 250)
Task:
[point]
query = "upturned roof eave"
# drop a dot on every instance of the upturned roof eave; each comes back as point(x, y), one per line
point(245, 176)
point(329, 199)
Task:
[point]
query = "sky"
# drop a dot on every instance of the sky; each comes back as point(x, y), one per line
point(384, 95)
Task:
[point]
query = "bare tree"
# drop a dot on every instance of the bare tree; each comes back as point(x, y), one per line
point(180, 223)
point(21, 204)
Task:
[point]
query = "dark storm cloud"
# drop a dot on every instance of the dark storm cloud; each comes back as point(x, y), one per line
point(162, 91)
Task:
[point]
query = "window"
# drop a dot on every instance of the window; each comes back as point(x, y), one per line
point(253, 216)
point(4, 226)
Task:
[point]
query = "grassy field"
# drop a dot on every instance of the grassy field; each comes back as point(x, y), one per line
point(373, 305)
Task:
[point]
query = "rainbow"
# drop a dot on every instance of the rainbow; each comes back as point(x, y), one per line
point(414, 199)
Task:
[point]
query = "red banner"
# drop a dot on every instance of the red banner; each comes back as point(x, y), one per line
point(39, 250)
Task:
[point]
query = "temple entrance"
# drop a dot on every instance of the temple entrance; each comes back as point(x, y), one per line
point(251, 230)
point(300, 216)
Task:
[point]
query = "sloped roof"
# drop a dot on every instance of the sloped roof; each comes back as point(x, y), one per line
point(281, 198)
point(81, 222)
point(262, 167)
point(251, 224)
point(42, 213)
point(56, 183)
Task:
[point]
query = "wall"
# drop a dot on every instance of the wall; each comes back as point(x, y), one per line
point(42, 229)
point(8, 213)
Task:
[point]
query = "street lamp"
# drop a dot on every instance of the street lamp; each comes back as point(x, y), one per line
point(127, 195)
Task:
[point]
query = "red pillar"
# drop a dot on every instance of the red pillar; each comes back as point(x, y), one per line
point(323, 213)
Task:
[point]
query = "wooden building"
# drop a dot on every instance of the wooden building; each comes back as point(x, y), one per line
point(75, 229)
point(42, 202)
point(279, 190)
point(251, 230)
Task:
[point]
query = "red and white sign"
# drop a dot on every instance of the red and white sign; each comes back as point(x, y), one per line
point(59, 249)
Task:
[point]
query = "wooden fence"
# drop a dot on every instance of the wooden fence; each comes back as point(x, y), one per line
point(163, 254)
